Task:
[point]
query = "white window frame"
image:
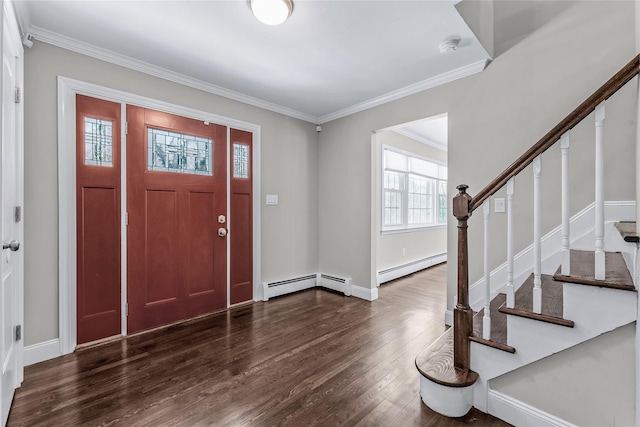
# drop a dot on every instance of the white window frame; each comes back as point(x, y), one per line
point(405, 226)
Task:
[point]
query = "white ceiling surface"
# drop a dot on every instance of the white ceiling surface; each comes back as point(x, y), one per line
point(432, 131)
point(329, 59)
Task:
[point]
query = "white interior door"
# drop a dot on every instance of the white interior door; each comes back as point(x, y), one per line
point(11, 223)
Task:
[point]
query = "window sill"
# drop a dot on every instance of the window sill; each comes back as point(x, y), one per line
point(412, 229)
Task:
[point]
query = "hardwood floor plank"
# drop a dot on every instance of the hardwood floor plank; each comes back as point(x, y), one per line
point(310, 358)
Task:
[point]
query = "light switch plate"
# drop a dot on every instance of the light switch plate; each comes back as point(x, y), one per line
point(498, 205)
point(272, 199)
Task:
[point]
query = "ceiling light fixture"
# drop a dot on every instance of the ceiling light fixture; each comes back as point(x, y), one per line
point(272, 12)
point(449, 45)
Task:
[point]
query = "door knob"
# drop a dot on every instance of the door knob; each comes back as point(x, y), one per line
point(14, 245)
point(222, 232)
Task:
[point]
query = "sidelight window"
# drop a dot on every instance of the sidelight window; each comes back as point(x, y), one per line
point(240, 161)
point(98, 142)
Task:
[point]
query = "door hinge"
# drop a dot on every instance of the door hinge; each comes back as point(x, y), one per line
point(18, 96)
point(17, 214)
point(126, 128)
point(18, 332)
point(126, 309)
point(126, 219)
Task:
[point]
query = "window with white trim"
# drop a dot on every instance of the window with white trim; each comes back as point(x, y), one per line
point(414, 191)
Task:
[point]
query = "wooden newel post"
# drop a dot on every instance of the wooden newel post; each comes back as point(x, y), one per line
point(462, 314)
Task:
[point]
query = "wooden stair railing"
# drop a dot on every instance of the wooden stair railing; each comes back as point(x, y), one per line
point(464, 204)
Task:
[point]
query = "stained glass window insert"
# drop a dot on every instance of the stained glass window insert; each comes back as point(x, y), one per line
point(240, 161)
point(98, 142)
point(178, 152)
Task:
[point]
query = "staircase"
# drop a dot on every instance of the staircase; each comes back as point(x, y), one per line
point(589, 291)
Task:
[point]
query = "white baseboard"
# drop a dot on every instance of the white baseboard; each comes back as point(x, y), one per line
point(42, 351)
point(519, 413)
point(369, 294)
point(396, 272)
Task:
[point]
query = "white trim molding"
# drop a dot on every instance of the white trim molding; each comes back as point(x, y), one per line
point(421, 138)
point(368, 294)
point(432, 82)
point(83, 48)
point(396, 272)
point(520, 414)
point(67, 90)
point(87, 49)
point(41, 351)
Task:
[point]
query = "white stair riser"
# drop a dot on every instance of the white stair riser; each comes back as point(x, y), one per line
point(594, 310)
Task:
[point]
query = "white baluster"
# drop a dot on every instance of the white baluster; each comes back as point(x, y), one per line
point(599, 254)
point(511, 298)
point(486, 319)
point(564, 149)
point(537, 243)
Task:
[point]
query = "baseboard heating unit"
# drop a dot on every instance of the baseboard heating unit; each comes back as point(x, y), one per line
point(327, 281)
point(335, 283)
point(283, 287)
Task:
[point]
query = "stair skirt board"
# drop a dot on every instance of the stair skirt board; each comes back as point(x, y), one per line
point(326, 281)
point(519, 413)
point(411, 267)
point(582, 225)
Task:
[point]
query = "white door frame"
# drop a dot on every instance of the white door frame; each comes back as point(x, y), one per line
point(67, 281)
point(10, 30)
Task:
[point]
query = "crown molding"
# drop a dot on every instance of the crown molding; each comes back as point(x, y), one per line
point(429, 83)
point(420, 138)
point(87, 49)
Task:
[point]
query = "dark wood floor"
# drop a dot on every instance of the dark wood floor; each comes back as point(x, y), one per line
point(312, 358)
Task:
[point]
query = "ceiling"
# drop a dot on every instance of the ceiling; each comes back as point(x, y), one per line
point(328, 60)
point(431, 131)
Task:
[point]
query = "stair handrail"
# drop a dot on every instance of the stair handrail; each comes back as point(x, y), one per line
point(464, 204)
point(614, 84)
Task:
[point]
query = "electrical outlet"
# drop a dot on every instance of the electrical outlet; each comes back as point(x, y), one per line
point(404, 252)
point(498, 205)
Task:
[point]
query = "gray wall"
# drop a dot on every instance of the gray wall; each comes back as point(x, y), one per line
point(418, 244)
point(567, 386)
point(552, 56)
point(289, 169)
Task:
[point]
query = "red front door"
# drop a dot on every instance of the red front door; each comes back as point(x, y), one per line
point(176, 193)
point(98, 218)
